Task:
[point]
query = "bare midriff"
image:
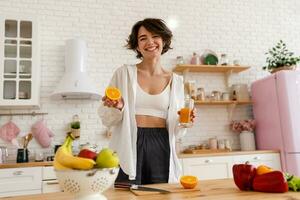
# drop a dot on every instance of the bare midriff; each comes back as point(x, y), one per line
point(150, 121)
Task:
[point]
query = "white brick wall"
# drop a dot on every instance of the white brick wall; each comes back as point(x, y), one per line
point(243, 30)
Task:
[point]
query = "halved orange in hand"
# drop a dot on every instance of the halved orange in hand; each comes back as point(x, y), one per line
point(113, 93)
point(189, 182)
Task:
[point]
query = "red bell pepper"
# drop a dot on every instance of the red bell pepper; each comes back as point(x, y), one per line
point(243, 175)
point(274, 181)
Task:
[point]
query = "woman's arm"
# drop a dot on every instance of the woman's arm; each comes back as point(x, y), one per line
point(111, 112)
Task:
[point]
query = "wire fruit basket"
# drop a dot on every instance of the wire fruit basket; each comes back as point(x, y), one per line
point(87, 184)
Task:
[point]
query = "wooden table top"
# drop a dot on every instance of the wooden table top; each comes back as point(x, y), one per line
point(26, 164)
point(224, 189)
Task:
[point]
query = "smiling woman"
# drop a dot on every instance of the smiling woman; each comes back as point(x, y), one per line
point(145, 120)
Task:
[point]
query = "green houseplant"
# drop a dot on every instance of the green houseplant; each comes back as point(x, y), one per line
point(75, 128)
point(280, 58)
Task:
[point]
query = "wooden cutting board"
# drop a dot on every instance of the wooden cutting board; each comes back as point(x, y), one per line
point(174, 188)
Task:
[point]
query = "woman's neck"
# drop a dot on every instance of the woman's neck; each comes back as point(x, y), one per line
point(151, 66)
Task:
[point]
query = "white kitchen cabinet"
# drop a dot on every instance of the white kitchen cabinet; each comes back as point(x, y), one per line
point(20, 181)
point(49, 180)
point(19, 58)
point(218, 167)
point(205, 168)
point(272, 160)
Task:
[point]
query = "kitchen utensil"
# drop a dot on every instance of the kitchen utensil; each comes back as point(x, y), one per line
point(139, 187)
point(85, 187)
point(3, 154)
point(22, 155)
point(172, 188)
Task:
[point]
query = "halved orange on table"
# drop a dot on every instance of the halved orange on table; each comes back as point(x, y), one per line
point(189, 182)
point(113, 93)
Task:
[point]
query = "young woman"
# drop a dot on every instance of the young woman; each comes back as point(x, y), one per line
point(144, 122)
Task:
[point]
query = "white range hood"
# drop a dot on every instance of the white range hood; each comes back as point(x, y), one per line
point(75, 83)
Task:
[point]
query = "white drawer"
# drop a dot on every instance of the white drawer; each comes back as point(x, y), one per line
point(208, 167)
point(49, 173)
point(270, 159)
point(51, 186)
point(20, 179)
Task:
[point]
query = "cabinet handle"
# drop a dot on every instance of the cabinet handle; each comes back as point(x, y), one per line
point(18, 173)
point(208, 161)
point(52, 183)
point(256, 158)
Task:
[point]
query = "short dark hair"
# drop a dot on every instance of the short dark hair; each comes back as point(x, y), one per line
point(153, 25)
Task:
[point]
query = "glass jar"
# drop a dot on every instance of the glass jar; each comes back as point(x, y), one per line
point(179, 60)
point(224, 59)
point(200, 94)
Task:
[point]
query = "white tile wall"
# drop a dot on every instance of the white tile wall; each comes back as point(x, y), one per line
point(243, 30)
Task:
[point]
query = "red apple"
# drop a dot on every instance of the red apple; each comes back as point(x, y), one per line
point(86, 153)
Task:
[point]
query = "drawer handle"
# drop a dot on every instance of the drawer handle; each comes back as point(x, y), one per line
point(18, 173)
point(208, 161)
point(52, 183)
point(256, 158)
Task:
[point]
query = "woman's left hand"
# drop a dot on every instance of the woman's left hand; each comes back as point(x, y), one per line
point(192, 115)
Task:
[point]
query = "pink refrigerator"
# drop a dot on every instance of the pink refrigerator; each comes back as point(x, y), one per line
point(276, 109)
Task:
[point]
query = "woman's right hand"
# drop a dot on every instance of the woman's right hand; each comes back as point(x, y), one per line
point(119, 104)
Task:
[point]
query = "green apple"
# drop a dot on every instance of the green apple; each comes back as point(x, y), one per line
point(107, 158)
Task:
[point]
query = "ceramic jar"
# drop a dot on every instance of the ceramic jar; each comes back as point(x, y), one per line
point(247, 141)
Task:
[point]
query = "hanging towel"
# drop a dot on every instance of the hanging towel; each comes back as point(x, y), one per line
point(41, 133)
point(9, 131)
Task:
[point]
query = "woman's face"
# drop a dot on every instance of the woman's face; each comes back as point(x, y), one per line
point(150, 45)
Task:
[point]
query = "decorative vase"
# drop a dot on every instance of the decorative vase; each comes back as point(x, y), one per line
point(247, 141)
point(282, 68)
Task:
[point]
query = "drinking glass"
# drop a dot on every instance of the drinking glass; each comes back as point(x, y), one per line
point(185, 113)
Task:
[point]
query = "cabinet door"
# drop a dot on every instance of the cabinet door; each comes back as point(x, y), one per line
point(208, 167)
point(19, 181)
point(19, 69)
point(271, 159)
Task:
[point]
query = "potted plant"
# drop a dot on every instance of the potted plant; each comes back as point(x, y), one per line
point(280, 58)
point(245, 128)
point(75, 126)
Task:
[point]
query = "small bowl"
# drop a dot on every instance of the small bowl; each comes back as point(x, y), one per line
point(85, 186)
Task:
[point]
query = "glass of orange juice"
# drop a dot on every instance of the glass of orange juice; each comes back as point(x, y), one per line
point(185, 112)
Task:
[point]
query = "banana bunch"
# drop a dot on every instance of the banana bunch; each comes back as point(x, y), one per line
point(64, 158)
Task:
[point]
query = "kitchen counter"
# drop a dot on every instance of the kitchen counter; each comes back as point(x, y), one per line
point(224, 189)
point(27, 164)
point(230, 153)
point(182, 155)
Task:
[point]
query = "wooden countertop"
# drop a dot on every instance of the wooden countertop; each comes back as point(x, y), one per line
point(224, 189)
point(182, 155)
point(28, 164)
point(230, 153)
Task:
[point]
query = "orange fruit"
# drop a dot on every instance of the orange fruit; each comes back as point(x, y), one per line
point(113, 93)
point(188, 182)
point(263, 169)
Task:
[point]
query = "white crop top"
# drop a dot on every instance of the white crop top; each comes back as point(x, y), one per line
point(156, 105)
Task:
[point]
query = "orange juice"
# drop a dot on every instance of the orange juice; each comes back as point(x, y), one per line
point(185, 115)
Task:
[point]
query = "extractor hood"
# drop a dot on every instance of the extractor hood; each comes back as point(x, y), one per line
point(75, 83)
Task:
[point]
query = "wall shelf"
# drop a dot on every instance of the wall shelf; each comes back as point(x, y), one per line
point(223, 102)
point(210, 68)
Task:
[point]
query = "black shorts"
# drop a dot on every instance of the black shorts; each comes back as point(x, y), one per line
point(153, 157)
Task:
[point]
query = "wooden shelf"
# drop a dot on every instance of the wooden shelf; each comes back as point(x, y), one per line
point(223, 102)
point(210, 68)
